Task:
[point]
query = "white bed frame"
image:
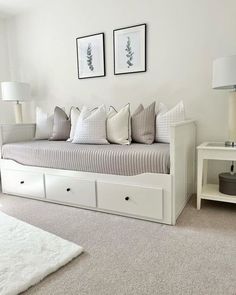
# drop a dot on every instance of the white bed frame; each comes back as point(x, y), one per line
point(148, 196)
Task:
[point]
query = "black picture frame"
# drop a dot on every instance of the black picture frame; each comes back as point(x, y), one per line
point(144, 67)
point(103, 63)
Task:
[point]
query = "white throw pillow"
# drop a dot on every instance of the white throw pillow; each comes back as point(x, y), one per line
point(44, 124)
point(74, 116)
point(165, 118)
point(118, 125)
point(91, 126)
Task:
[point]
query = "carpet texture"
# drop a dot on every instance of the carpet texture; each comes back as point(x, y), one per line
point(124, 256)
point(28, 254)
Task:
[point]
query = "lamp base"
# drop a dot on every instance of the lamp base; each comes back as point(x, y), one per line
point(230, 144)
point(18, 113)
point(232, 119)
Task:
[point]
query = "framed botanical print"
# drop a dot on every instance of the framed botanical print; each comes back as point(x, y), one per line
point(91, 56)
point(129, 46)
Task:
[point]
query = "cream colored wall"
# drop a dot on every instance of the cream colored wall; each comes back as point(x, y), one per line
point(184, 37)
point(6, 109)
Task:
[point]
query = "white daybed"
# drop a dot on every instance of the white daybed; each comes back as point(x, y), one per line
point(151, 196)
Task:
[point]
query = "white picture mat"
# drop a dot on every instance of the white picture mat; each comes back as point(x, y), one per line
point(96, 42)
point(137, 39)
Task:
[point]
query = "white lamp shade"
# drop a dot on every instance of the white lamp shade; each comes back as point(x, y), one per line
point(15, 91)
point(224, 73)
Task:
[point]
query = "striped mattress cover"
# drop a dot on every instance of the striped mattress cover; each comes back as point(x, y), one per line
point(107, 159)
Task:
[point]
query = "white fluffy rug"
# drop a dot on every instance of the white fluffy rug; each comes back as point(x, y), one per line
point(28, 254)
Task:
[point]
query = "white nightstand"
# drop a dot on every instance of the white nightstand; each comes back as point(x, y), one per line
point(212, 151)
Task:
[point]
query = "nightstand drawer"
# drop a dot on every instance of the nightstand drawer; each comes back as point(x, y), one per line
point(71, 190)
point(131, 199)
point(23, 183)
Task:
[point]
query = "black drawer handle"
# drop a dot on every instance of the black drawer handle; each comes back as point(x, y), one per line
point(22, 182)
point(68, 189)
point(127, 198)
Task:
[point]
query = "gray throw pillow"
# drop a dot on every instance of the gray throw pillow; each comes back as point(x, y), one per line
point(61, 125)
point(143, 124)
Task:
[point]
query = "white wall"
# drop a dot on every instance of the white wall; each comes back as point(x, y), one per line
point(184, 37)
point(6, 109)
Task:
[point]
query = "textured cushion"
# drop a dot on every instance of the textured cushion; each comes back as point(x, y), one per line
point(61, 125)
point(143, 124)
point(44, 124)
point(91, 126)
point(165, 118)
point(131, 159)
point(74, 116)
point(118, 125)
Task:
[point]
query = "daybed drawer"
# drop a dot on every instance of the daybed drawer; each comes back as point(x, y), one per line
point(70, 190)
point(23, 183)
point(131, 199)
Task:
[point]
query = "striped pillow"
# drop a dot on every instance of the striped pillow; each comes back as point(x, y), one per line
point(165, 118)
point(143, 124)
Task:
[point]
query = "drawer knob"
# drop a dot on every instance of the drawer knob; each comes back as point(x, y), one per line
point(22, 182)
point(127, 198)
point(68, 189)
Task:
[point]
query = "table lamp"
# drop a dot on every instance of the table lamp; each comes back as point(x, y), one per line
point(224, 77)
point(16, 91)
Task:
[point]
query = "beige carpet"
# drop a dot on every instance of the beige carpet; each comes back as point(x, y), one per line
point(133, 257)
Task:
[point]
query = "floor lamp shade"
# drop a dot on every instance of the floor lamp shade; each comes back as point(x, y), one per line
point(224, 77)
point(16, 91)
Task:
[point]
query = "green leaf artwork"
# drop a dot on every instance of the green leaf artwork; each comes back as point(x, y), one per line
point(130, 53)
point(90, 57)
